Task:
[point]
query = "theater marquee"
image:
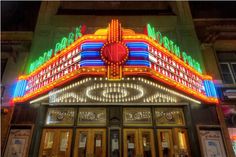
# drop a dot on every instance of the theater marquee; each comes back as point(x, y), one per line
point(115, 65)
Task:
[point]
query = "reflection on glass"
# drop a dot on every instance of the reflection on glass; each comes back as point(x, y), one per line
point(98, 144)
point(131, 145)
point(133, 116)
point(63, 145)
point(146, 144)
point(182, 144)
point(58, 116)
point(169, 116)
point(48, 144)
point(165, 143)
point(115, 143)
point(182, 140)
point(82, 144)
point(92, 116)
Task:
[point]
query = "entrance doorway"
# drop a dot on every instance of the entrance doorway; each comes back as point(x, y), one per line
point(90, 143)
point(55, 143)
point(172, 142)
point(138, 143)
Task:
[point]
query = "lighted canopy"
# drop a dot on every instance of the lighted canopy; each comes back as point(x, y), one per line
point(115, 53)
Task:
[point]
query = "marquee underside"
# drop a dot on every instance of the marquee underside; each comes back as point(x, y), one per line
point(101, 90)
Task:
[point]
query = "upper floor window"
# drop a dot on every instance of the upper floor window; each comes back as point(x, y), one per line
point(227, 63)
point(228, 71)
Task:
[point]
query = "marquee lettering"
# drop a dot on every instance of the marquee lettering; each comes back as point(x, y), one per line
point(172, 47)
point(58, 47)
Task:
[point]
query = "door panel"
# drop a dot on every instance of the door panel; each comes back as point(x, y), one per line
point(90, 143)
point(146, 143)
point(131, 146)
point(181, 141)
point(63, 148)
point(99, 143)
point(114, 143)
point(165, 143)
point(52, 146)
point(138, 143)
point(81, 148)
point(47, 143)
point(173, 142)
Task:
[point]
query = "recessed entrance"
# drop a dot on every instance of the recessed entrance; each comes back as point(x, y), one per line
point(100, 132)
point(172, 141)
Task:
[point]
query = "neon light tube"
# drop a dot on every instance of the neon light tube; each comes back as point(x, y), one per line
point(138, 62)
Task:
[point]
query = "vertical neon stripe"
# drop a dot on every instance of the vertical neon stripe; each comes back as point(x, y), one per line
point(16, 89)
point(213, 89)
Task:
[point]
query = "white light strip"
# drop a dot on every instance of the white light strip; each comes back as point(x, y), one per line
point(152, 58)
point(39, 99)
point(168, 90)
point(186, 97)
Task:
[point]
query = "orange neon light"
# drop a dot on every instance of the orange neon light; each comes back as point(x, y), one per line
point(127, 71)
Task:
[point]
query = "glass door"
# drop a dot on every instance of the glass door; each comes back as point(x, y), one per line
point(181, 142)
point(146, 143)
point(138, 143)
point(173, 142)
point(55, 143)
point(90, 143)
point(131, 147)
point(165, 143)
point(82, 143)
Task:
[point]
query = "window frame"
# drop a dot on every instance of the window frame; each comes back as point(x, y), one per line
point(233, 76)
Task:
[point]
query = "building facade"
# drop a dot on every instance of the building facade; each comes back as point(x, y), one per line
point(216, 33)
point(98, 85)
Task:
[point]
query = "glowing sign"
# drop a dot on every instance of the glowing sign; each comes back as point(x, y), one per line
point(62, 66)
point(172, 47)
point(175, 71)
point(114, 55)
point(59, 47)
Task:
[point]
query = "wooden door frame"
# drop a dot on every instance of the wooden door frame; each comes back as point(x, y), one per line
point(43, 139)
point(57, 131)
point(91, 132)
point(171, 141)
point(69, 141)
point(76, 143)
point(138, 140)
point(153, 151)
point(175, 136)
point(125, 149)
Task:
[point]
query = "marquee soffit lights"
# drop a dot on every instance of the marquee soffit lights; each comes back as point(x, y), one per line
point(100, 89)
point(114, 53)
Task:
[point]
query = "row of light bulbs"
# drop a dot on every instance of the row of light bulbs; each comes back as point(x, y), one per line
point(160, 97)
point(110, 89)
point(167, 90)
point(70, 97)
point(64, 89)
point(108, 94)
